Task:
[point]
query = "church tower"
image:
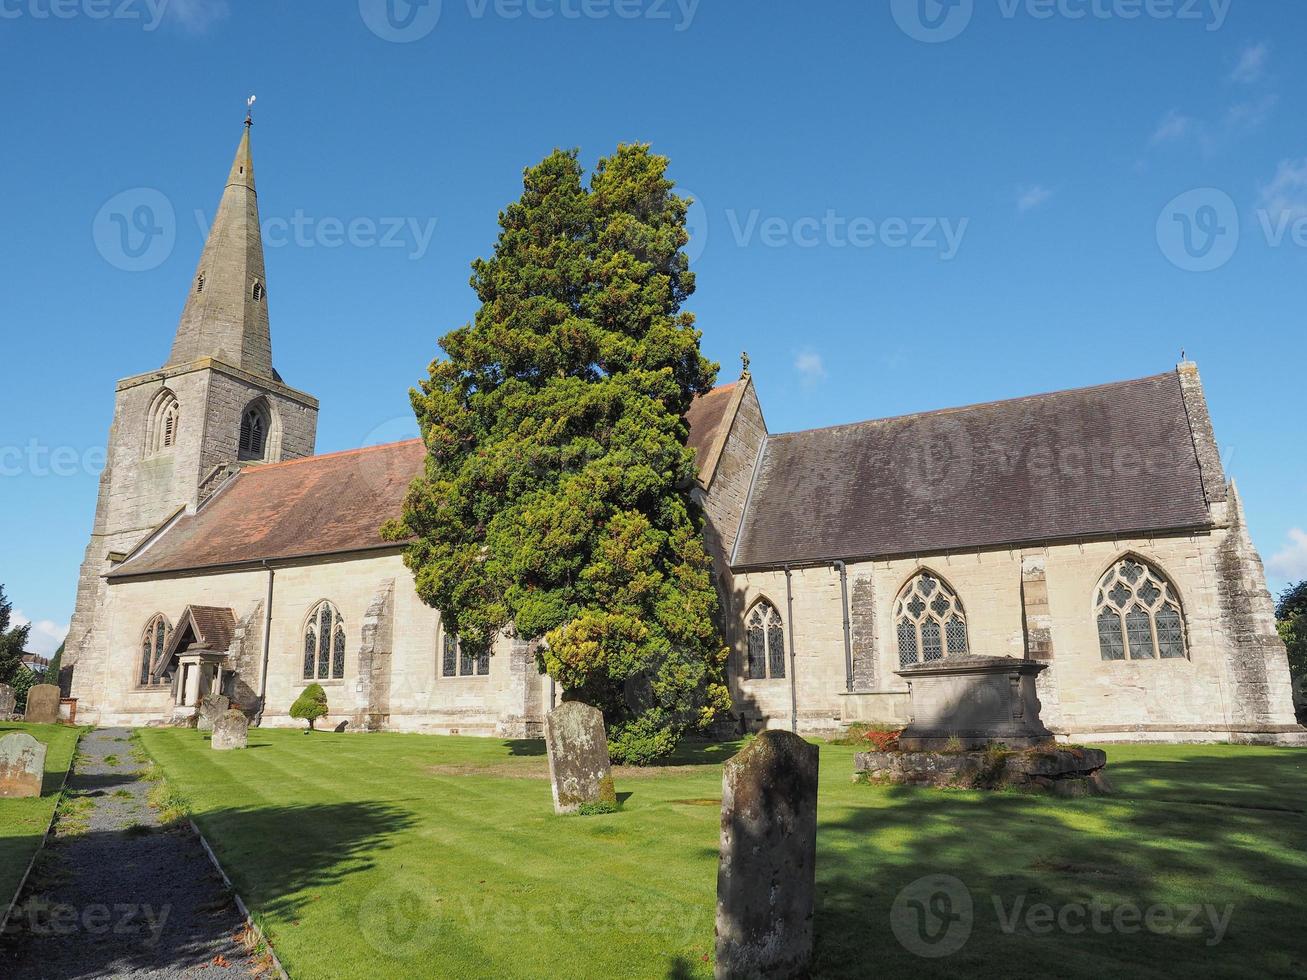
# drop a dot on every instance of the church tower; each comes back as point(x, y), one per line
point(181, 431)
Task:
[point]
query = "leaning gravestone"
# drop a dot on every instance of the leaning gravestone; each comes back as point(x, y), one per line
point(43, 705)
point(7, 701)
point(212, 707)
point(22, 765)
point(231, 730)
point(766, 876)
point(579, 768)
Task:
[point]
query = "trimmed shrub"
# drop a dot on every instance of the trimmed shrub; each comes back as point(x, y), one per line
point(310, 705)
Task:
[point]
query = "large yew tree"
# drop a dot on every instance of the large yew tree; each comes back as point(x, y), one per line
point(555, 500)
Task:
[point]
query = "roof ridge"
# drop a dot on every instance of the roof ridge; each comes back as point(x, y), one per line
point(255, 470)
point(976, 405)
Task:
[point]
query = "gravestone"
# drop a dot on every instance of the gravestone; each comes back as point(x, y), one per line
point(22, 765)
point(766, 875)
point(7, 701)
point(42, 705)
point(579, 768)
point(212, 707)
point(231, 730)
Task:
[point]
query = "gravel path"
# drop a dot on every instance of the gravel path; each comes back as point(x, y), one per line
point(117, 895)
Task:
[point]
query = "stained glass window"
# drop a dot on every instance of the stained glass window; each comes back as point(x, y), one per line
point(449, 656)
point(1139, 615)
point(324, 644)
point(766, 642)
point(929, 621)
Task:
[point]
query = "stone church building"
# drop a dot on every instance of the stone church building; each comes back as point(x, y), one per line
point(1093, 530)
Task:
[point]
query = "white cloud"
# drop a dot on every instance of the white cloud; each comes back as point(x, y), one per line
point(810, 366)
point(1029, 198)
point(1251, 115)
point(46, 634)
point(1252, 64)
point(196, 16)
point(1290, 562)
point(1174, 125)
point(1286, 194)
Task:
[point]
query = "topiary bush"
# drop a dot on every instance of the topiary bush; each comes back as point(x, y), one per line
point(310, 705)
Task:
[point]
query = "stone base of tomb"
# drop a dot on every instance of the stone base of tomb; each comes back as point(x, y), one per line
point(1048, 768)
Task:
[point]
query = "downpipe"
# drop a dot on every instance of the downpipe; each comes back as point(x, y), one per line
point(267, 644)
point(848, 636)
point(789, 618)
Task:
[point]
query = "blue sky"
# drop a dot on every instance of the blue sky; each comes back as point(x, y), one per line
point(904, 205)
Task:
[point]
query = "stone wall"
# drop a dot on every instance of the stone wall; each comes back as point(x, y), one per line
point(724, 498)
point(1233, 685)
point(408, 693)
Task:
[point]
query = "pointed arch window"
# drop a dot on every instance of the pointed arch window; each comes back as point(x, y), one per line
point(154, 641)
point(199, 283)
point(165, 419)
point(1138, 614)
point(929, 621)
point(324, 644)
point(257, 291)
point(765, 647)
point(255, 423)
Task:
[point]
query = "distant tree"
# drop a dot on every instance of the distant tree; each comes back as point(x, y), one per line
point(310, 705)
point(1291, 620)
point(52, 672)
point(556, 497)
point(12, 642)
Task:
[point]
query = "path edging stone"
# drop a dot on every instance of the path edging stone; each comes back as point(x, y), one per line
point(45, 838)
point(240, 903)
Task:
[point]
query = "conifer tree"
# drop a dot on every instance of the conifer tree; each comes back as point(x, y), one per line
point(555, 500)
point(12, 642)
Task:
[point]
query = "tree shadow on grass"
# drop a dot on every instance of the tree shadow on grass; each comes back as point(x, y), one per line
point(191, 916)
point(1008, 854)
point(525, 746)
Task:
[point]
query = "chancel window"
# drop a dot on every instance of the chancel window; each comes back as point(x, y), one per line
point(154, 641)
point(456, 662)
point(254, 433)
point(929, 622)
point(324, 644)
point(765, 647)
point(1138, 614)
point(165, 418)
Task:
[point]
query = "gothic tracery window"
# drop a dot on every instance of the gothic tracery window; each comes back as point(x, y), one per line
point(324, 644)
point(929, 621)
point(154, 640)
point(1138, 614)
point(765, 646)
point(165, 417)
point(254, 433)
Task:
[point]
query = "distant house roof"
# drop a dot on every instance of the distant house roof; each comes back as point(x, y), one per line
point(322, 505)
point(1113, 459)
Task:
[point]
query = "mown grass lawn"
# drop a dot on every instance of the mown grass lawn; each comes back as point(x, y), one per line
point(415, 856)
point(23, 822)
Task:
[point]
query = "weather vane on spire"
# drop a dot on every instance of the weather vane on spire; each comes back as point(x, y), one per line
point(744, 361)
point(249, 110)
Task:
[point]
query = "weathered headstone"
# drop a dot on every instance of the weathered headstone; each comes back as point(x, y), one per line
point(579, 768)
point(766, 875)
point(231, 730)
point(22, 765)
point(212, 707)
point(7, 701)
point(42, 705)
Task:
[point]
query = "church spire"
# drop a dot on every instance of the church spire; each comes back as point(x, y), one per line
point(226, 313)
